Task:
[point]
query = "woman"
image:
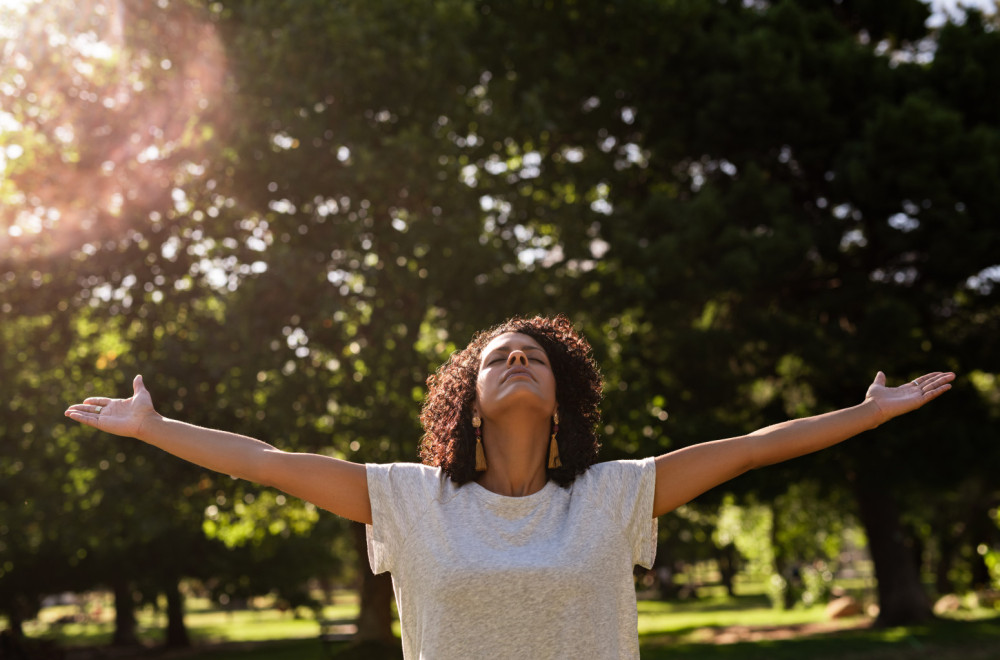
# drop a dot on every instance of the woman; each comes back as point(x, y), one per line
point(510, 541)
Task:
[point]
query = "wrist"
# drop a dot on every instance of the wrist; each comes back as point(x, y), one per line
point(142, 432)
point(875, 416)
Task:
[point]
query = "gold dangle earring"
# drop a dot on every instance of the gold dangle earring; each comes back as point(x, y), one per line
point(554, 461)
point(480, 454)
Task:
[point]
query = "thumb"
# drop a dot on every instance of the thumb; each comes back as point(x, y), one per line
point(880, 378)
point(137, 385)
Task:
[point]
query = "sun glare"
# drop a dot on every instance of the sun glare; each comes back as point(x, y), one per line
point(11, 14)
point(97, 102)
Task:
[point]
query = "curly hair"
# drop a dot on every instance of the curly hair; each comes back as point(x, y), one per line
point(449, 440)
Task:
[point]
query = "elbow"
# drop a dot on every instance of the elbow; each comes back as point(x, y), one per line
point(259, 467)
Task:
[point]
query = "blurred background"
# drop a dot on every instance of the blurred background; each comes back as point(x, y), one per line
point(285, 215)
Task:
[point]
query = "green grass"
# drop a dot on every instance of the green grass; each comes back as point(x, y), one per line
point(942, 640)
point(205, 625)
point(663, 618)
point(709, 629)
point(208, 627)
point(692, 629)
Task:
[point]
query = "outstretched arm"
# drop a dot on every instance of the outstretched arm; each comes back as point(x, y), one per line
point(336, 485)
point(686, 473)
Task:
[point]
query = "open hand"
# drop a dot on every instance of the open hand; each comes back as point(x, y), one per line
point(895, 401)
point(118, 416)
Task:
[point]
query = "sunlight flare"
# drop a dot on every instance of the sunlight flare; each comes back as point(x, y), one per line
point(101, 102)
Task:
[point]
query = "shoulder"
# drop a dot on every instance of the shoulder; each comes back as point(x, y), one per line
point(400, 495)
point(610, 472)
point(404, 470)
point(401, 492)
point(404, 476)
point(615, 485)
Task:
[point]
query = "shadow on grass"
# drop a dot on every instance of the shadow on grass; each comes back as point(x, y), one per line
point(302, 649)
point(941, 640)
point(295, 649)
point(723, 604)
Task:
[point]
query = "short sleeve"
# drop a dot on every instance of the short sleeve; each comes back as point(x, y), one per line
point(626, 489)
point(399, 494)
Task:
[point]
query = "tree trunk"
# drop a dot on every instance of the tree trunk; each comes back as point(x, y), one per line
point(375, 618)
point(982, 532)
point(783, 566)
point(946, 555)
point(668, 587)
point(124, 634)
point(177, 636)
point(12, 643)
point(15, 626)
point(901, 596)
point(726, 558)
point(981, 578)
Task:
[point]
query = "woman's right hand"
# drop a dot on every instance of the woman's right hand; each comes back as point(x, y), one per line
point(118, 416)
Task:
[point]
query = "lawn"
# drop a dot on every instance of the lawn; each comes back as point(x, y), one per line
point(206, 624)
point(741, 628)
point(745, 628)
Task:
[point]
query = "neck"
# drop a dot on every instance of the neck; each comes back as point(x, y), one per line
point(516, 456)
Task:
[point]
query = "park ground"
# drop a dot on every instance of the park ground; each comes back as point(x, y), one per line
point(731, 628)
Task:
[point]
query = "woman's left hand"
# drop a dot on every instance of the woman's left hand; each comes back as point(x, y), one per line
point(895, 401)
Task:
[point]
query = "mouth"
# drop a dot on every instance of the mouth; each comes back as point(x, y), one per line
point(516, 371)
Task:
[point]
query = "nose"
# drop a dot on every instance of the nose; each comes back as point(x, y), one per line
point(517, 357)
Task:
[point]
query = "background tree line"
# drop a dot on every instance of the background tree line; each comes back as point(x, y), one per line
point(287, 214)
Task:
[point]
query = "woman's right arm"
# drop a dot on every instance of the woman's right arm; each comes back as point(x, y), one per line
point(335, 485)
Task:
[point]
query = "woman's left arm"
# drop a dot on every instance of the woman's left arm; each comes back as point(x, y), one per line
point(686, 473)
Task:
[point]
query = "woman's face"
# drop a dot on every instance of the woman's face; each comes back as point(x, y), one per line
point(514, 373)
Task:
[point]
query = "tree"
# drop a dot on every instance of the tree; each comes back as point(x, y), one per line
point(106, 272)
point(751, 200)
point(810, 255)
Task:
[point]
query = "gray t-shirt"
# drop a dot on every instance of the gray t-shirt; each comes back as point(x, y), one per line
point(481, 575)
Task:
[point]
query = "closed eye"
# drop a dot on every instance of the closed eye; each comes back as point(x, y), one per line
point(503, 359)
point(503, 354)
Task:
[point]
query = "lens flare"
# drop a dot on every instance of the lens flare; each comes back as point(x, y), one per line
point(104, 111)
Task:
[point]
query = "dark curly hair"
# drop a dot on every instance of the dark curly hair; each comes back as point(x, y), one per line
point(449, 440)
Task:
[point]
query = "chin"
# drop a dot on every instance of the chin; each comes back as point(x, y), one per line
point(521, 399)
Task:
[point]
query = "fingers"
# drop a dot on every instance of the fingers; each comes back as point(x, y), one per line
point(85, 413)
point(940, 382)
point(936, 392)
point(933, 379)
point(86, 408)
point(934, 384)
point(97, 400)
point(88, 418)
point(137, 384)
point(934, 375)
point(880, 378)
